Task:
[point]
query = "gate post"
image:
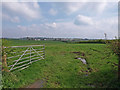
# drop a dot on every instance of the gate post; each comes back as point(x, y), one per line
point(4, 63)
point(44, 51)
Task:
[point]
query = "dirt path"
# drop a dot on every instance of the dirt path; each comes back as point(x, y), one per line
point(37, 84)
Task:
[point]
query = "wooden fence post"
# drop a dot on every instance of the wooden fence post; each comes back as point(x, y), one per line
point(44, 51)
point(4, 63)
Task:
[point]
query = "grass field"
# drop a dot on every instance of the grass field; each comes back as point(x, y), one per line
point(60, 69)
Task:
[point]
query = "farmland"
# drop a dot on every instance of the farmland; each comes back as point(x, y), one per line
point(62, 69)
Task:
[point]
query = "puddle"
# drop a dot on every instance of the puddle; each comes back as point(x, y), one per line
point(37, 84)
point(91, 85)
point(86, 75)
point(83, 60)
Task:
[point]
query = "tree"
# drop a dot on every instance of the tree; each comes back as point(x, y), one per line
point(115, 46)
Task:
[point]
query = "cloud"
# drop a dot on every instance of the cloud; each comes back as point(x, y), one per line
point(9, 18)
point(29, 10)
point(51, 25)
point(107, 24)
point(69, 29)
point(83, 20)
point(96, 30)
point(36, 5)
point(15, 19)
point(101, 7)
point(32, 27)
point(53, 11)
point(22, 27)
point(70, 8)
point(5, 17)
point(80, 20)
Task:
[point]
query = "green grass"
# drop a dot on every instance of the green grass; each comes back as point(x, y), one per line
point(59, 69)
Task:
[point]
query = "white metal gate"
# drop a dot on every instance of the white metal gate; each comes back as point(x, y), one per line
point(20, 57)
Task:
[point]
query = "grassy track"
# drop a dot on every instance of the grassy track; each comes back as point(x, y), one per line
point(60, 69)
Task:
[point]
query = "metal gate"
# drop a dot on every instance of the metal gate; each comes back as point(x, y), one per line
point(20, 57)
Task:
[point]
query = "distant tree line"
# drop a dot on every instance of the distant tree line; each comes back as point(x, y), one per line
point(101, 41)
point(93, 41)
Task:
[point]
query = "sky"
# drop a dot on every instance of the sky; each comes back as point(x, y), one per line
point(60, 19)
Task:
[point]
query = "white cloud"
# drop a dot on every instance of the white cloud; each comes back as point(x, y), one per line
point(97, 30)
point(22, 27)
point(82, 26)
point(36, 5)
point(53, 11)
point(25, 9)
point(83, 20)
point(9, 18)
point(70, 8)
point(33, 27)
point(69, 29)
point(15, 19)
point(107, 25)
point(5, 17)
point(51, 25)
point(101, 7)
